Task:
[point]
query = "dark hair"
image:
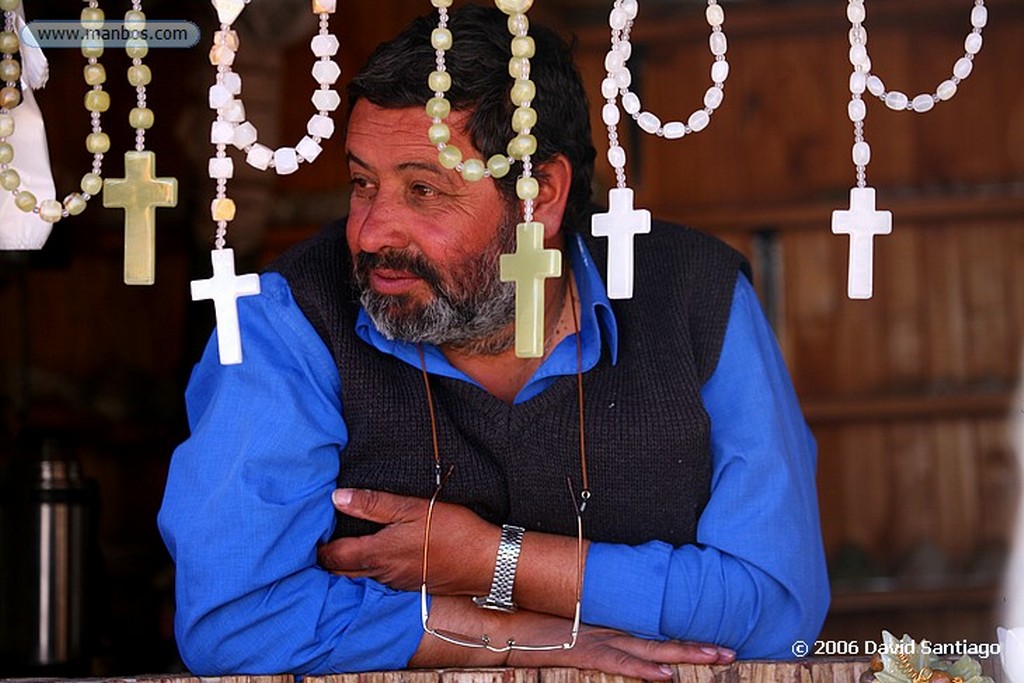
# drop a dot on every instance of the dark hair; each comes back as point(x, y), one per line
point(395, 76)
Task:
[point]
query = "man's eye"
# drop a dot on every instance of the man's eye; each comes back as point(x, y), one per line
point(423, 190)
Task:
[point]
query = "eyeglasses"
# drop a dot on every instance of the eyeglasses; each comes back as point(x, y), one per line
point(484, 642)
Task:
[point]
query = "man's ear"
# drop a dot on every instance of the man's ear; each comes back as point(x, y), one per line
point(555, 178)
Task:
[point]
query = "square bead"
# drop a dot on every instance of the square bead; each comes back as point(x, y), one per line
point(326, 72)
point(222, 55)
point(308, 149)
point(221, 167)
point(234, 112)
point(228, 38)
point(286, 161)
point(50, 210)
point(222, 209)
point(245, 135)
point(325, 6)
point(232, 81)
point(6, 125)
point(222, 132)
point(259, 156)
point(220, 96)
point(320, 126)
point(325, 45)
point(326, 100)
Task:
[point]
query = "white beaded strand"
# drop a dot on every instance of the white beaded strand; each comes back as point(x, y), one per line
point(224, 97)
point(97, 101)
point(619, 78)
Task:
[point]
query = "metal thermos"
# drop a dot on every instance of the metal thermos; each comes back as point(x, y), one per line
point(51, 529)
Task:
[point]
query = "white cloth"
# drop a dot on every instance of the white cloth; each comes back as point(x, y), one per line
point(20, 230)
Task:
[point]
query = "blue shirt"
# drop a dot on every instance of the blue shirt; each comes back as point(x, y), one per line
point(248, 500)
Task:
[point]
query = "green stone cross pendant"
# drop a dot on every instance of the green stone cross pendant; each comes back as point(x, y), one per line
point(139, 193)
point(528, 267)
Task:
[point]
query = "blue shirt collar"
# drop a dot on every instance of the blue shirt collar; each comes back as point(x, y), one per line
point(597, 326)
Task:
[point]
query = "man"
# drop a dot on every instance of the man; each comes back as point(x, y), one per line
point(670, 415)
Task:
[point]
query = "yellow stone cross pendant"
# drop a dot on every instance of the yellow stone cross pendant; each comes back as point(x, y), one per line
point(139, 193)
point(528, 267)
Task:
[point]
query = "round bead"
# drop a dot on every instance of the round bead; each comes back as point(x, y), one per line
point(648, 122)
point(963, 67)
point(720, 71)
point(9, 97)
point(519, 67)
point(614, 61)
point(610, 115)
point(674, 130)
point(450, 156)
point(896, 100)
point(979, 16)
point(617, 157)
point(136, 48)
point(858, 82)
point(438, 108)
point(50, 210)
point(855, 12)
point(523, 46)
point(631, 103)
point(75, 204)
point(141, 117)
point(6, 125)
point(441, 3)
point(9, 5)
point(609, 89)
point(499, 166)
point(95, 74)
point(518, 24)
point(858, 55)
point(24, 200)
point(97, 143)
point(715, 15)
point(623, 78)
point(861, 154)
point(713, 97)
point(521, 146)
point(624, 48)
point(875, 86)
point(10, 180)
point(97, 100)
point(134, 20)
point(8, 42)
point(91, 184)
point(439, 134)
point(441, 39)
point(10, 70)
point(922, 103)
point(439, 81)
point(617, 19)
point(92, 48)
point(514, 6)
point(524, 118)
point(719, 43)
point(473, 170)
point(139, 75)
point(523, 92)
point(698, 120)
point(972, 45)
point(92, 17)
point(527, 188)
point(6, 153)
point(857, 109)
point(630, 7)
point(946, 90)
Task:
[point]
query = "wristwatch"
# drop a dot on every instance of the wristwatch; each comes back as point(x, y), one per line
point(500, 597)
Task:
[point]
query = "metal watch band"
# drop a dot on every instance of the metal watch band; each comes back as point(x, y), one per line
point(500, 597)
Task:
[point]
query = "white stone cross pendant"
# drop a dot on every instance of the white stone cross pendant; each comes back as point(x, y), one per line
point(529, 267)
point(140, 193)
point(224, 288)
point(862, 222)
point(620, 225)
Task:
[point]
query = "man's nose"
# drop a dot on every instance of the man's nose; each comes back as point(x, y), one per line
point(383, 226)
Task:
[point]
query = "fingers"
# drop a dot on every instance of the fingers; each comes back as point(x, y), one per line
point(377, 506)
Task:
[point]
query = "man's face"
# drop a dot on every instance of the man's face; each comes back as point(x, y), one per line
point(425, 243)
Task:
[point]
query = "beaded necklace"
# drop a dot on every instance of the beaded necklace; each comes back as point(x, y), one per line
point(862, 221)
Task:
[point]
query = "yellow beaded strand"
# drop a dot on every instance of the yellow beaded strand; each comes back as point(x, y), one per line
point(97, 101)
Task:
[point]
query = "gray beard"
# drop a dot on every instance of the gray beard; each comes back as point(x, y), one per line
point(473, 312)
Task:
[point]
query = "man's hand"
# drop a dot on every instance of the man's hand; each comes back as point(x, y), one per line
point(600, 649)
point(462, 546)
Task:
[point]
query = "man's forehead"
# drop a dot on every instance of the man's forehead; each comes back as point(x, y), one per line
point(406, 128)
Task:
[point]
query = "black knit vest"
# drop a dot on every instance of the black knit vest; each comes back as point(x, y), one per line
point(646, 429)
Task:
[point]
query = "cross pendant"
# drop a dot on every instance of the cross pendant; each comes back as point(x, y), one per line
point(224, 288)
point(862, 222)
point(529, 267)
point(620, 225)
point(139, 193)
